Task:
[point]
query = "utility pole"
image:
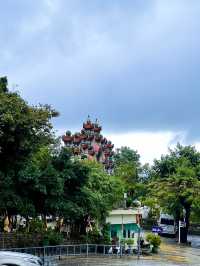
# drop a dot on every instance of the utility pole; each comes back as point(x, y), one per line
point(139, 229)
point(125, 198)
point(122, 225)
point(139, 248)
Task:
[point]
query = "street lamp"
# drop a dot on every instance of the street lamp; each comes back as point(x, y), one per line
point(125, 198)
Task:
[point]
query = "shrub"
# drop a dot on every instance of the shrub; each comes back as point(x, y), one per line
point(129, 241)
point(154, 240)
point(106, 234)
point(98, 237)
point(36, 226)
point(52, 238)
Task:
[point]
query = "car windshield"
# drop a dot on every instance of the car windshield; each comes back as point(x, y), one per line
point(167, 221)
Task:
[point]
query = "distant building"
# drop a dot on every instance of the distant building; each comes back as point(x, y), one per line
point(124, 223)
point(89, 143)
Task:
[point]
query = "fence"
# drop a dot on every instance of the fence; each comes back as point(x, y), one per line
point(48, 253)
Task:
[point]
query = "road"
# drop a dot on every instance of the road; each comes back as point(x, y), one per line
point(170, 254)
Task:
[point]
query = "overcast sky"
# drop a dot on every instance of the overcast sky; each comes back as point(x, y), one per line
point(134, 64)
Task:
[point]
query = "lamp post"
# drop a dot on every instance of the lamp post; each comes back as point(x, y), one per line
point(139, 231)
point(125, 198)
point(181, 225)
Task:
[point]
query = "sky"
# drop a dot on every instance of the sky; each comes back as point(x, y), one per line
point(133, 64)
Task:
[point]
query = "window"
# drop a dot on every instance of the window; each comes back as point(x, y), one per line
point(132, 235)
point(113, 233)
point(124, 233)
point(167, 221)
point(129, 233)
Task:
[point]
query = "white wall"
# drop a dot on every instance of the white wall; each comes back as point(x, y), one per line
point(118, 219)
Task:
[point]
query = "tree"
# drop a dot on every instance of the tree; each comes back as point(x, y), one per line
point(42, 185)
point(127, 155)
point(23, 129)
point(3, 84)
point(132, 174)
point(52, 183)
point(102, 191)
point(176, 183)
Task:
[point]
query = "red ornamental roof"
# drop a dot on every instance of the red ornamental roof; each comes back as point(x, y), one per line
point(91, 152)
point(67, 138)
point(110, 145)
point(97, 129)
point(88, 125)
point(84, 146)
point(90, 142)
point(77, 139)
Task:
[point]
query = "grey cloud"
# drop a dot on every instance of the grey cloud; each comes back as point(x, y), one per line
point(133, 64)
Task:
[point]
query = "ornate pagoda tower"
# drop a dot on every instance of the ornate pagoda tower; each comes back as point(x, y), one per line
point(89, 143)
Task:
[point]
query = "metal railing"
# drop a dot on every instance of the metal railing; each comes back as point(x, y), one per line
point(76, 250)
point(50, 254)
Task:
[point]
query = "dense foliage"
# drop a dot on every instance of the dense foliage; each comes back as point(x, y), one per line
point(175, 185)
point(132, 174)
point(39, 178)
point(23, 129)
point(154, 240)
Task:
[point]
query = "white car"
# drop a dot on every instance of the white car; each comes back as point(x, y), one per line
point(168, 224)
point(9, 258)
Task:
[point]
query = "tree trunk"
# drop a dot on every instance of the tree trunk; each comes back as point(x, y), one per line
point(184, 230)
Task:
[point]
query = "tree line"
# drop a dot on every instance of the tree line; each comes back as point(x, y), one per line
point(38, 176)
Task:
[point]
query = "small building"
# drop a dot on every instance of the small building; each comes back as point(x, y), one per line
point(124, 223)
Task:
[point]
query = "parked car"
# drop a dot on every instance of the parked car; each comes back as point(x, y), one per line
point(9, 258)
point(168, 224)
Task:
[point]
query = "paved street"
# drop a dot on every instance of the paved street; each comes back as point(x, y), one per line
point(171, 254)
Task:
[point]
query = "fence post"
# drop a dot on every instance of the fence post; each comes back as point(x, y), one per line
point(139, 249)
point(95, 249)
point(3, 240)
point(87, 249)
point(60, 252)
point(44, 255)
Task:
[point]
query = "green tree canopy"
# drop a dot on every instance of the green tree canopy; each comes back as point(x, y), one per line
point(132, 174)
point(176, 183)
point(23, 130)
point(127, 155)
point(3, 84)
point(102, 191)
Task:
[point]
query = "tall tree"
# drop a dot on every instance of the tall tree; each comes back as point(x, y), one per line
point(176, 183)
point(133, 175)
point(127, 155)
point(3, 84)
point(102, 191)
point(23, 129)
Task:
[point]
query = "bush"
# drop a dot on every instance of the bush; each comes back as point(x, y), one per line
point(52, 238)
point(92, 237)
point(36, 226)
point(106, 234)
point(129, 241)
point(154, 240)
point(98, 237)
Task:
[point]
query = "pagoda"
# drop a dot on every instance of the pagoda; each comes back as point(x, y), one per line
point(90, 144)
